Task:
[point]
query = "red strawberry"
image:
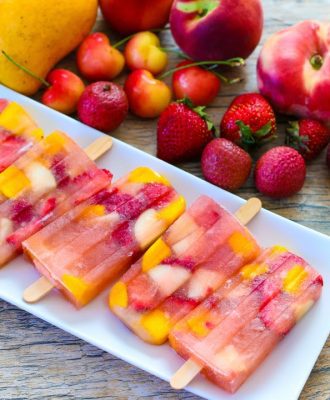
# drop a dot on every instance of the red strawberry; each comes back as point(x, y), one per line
point(142, 293)
point(226, 165)
point(182, 132)
point(47, 206)
point(308, 136)
point(280, 172)
point(122, 234)
point(249, 120)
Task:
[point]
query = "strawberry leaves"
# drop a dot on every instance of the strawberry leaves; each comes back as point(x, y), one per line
point(250, 138)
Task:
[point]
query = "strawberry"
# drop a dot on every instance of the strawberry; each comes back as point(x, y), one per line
point(142, 293)
point(182, 132)
point(280, 172)
point(249, 120)
point(226, 165)
point(308, 136)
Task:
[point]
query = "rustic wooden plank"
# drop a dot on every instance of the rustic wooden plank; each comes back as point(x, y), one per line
point(39, 361)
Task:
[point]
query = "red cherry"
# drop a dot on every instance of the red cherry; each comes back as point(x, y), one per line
point(64, 91)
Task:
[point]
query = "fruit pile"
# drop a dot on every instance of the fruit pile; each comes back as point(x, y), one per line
point(201, 29)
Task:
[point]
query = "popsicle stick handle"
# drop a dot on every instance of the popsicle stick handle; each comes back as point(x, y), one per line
point(248, 210)
point(37, 290)
point(185, 374)
point(190, 369)
point(98, 147)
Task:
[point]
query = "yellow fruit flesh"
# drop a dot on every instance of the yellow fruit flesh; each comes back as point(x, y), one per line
point(79, 289)
point(251, 271)
point(240, 244)
point(13, 181)
point(198, 326)
point(92, 211)
point(147, 175)
point(171, 212)
point(294, 279)
point(155, 255)
point(157, 325)
point(118, 296)
point(55, 142)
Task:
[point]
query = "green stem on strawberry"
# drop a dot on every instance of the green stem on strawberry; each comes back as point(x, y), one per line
point(200, 110)
point(129, 37)
point(26, 70)
point(250, 138)
point(232, 62)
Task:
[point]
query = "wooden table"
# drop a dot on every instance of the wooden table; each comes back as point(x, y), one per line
point(39, 361)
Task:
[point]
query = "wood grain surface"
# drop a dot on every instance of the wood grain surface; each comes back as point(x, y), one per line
point(39, 361)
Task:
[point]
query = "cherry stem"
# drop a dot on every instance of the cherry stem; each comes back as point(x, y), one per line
point(317, 61)
point(127, 38)
point(175, 51)
point(26, 70)
point(227, 80)
point(233, 62)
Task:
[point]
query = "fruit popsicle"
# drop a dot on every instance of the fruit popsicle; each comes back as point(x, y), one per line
point(106, 234)
point(173, 278)
point(48, 180)
point(18, 132)
point(214, 334)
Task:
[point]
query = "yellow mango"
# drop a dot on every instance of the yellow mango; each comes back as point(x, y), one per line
point(241, 244)
point(13, 181)
point(78, 288)
point(147, 175)
point(198, 326)
point(251, 271)
point(157, 325)
point(155, 255)
point(92, 211)
point(118, 296)
point(15, 119)
point(39, 33)
point(294, 279)
point(55, 142)
point(171, 212)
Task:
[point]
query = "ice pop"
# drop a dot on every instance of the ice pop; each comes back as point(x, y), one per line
point(18, 132)
point(173, 277)
point(48, 180)
point(97, 240)
point(233, 330)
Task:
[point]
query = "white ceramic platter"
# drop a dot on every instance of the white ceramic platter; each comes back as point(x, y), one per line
point(281, 376)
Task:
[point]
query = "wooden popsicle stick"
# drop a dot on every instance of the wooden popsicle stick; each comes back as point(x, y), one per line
point(98, 147)
point(37, 290)
point(42, 286)
point(190, 369)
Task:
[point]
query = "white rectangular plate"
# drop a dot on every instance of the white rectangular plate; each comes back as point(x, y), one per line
point(281, 376)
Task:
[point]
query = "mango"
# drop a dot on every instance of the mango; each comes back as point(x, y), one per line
point(118, 296)
point(157, 325)
point(13, 181)
point(147, 175)
point(37, 34)
point(155, 255)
